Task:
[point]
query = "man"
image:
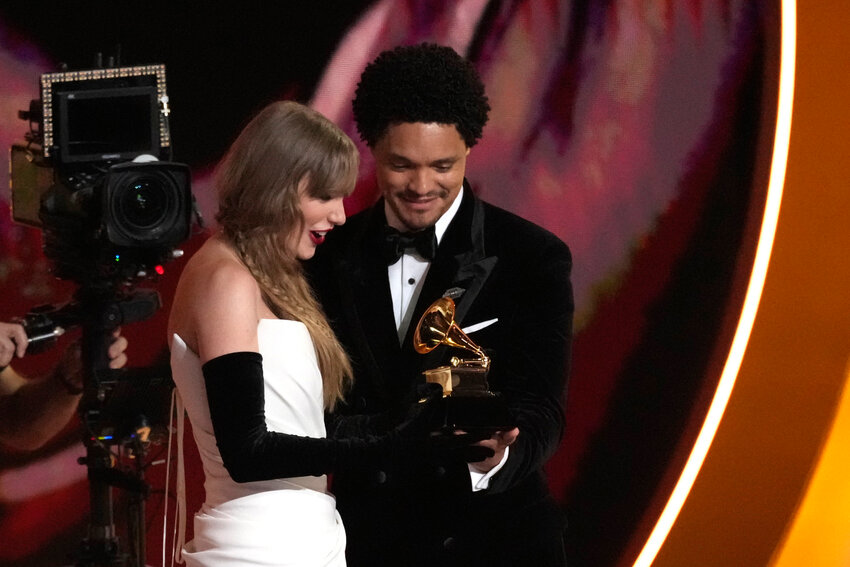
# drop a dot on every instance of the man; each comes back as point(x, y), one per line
point(421, 109)
point(32, 411)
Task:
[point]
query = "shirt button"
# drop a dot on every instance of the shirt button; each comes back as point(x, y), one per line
point(411, 281)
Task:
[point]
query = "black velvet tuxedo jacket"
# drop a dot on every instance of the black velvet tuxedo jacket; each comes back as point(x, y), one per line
point(423, 512)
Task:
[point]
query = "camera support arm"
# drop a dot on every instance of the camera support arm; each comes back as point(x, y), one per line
point(102, 312)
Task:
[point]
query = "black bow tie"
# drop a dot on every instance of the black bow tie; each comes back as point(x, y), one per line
point(395, 243)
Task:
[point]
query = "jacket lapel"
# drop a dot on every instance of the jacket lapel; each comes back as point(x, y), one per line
point(461, 265)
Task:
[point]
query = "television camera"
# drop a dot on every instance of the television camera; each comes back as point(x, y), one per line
point(95, 176)
point(94, 173)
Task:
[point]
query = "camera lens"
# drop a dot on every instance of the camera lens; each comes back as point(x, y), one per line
point(144, 202)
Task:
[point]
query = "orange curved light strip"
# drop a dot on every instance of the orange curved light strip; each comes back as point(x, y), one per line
point(751, 302)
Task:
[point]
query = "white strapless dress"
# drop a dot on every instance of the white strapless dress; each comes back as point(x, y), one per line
point(281, 522)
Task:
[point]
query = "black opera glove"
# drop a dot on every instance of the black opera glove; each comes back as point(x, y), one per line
point(250, 452)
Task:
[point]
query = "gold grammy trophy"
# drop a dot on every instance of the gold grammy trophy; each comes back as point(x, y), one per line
point(468, 402)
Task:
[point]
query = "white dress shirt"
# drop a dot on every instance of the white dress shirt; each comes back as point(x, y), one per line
point(409, 271)
point(406, 277)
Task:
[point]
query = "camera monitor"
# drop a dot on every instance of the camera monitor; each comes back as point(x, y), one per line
point(107, 124)
point(105, 115)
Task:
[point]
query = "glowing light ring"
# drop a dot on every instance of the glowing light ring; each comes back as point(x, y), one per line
point(751, 302)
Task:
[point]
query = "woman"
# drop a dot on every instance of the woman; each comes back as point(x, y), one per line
point(253, 358)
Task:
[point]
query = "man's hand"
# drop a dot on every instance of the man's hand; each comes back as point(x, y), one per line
point(500, 441)
point(13, 342)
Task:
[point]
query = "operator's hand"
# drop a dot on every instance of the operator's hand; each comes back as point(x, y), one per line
point(13, 342)
point(70, 368)
point(117, 351)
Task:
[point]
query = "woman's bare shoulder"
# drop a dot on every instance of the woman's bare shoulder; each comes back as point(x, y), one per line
point(215, 291)
point(212, 267)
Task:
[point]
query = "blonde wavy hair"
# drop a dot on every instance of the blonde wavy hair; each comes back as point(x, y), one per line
point(285, 146)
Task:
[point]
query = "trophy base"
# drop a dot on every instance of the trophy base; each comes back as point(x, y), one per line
point(467, 403)
point(475, 413)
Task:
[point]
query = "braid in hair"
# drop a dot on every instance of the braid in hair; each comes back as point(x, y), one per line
point(284, 150)
point(289, 296)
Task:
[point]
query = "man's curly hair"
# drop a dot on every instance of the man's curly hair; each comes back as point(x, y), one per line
point(420, 83)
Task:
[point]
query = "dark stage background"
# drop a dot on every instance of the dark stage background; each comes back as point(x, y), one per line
point(636, 131)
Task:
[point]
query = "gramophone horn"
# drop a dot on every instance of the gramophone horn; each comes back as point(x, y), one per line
point(434, 325)
point(437, 326)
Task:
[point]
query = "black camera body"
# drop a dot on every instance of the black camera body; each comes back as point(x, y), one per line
point(95, 174)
